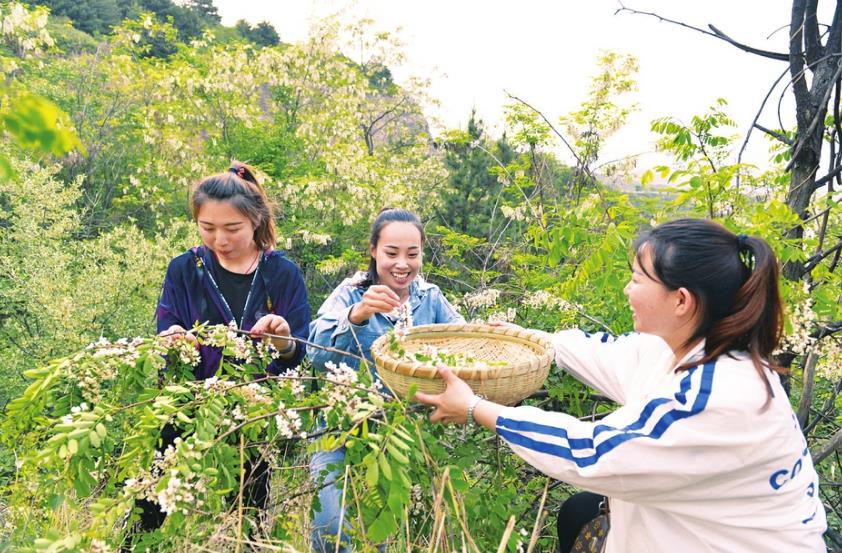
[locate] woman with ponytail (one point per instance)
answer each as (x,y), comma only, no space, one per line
(704,453)
(234,277)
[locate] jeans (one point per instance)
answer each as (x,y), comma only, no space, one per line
(326,520)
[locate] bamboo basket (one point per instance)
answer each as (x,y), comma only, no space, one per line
(527,354)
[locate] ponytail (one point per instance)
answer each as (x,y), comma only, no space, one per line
(755,324)
(240,188)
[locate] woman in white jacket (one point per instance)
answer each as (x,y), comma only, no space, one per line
(704,453)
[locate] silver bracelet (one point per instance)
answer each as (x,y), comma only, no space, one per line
(471,406)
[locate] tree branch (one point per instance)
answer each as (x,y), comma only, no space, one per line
(827,178)
(807,381)
(828,447)
(817,258)
(756,118)
(780,56)
(827,330)
(714,32)
(812,44)
(774,134)
(552,127)
(818,116)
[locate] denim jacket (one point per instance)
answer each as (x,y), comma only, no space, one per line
(332,327)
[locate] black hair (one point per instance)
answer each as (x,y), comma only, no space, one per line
(239,187)
(734,279)
(387,215)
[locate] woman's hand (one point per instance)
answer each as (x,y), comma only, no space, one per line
(377,299)
(452,404)
(178,332)
(277,326)
(497,322)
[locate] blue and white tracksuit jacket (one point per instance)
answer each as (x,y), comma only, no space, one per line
(691,461)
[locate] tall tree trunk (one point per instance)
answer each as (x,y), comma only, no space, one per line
(806,54)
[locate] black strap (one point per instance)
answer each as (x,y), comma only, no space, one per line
(265,276)
(197,287)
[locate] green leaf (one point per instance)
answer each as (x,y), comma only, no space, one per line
(382,527)
(38,124)
(396,453)
(385,467)
(372,474)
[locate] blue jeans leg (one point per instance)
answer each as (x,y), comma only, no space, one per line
(326,519)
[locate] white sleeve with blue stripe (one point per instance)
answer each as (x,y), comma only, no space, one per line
(600,360)
(634,452)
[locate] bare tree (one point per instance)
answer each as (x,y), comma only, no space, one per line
(815,68)
(814,64)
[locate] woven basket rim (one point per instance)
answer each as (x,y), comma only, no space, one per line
(537,342)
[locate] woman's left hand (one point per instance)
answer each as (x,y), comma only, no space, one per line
(272,324)
(451,406)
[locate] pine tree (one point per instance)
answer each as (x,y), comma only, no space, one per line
(206,10)
(90,16)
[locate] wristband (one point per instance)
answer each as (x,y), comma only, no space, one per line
(471,406)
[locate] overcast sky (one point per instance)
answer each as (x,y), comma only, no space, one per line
(545,52)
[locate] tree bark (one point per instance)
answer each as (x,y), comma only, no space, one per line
(806,54)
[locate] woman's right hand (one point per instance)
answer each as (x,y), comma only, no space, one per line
(377,299)
(498,322)
(176,332)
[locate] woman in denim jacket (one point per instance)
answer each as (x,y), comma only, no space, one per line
(359,311)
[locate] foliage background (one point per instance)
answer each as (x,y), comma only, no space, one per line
(112,108)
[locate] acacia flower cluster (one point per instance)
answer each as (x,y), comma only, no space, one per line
(482,298)
(314,237)
(830,360)
(254,393)
(417,505)
(403,318)
(344,393)
(183,489)
(506,316)
(542,299)
(802,319)
(515,213)
(331,265)
(186,351)
(215,384)
(294,378)
(288,422)
(101,362)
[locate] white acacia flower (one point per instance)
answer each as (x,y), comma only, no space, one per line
(482,298)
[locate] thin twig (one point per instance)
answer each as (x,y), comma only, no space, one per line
(505,540)
(438,521)
(536,530)
(714,32)
(240,497)
(301,341)
(460,517)
(342,509)
(828,447)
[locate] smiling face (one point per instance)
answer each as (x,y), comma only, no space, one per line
(398,255)
(228,233)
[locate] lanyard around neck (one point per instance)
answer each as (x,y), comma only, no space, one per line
(228,312)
